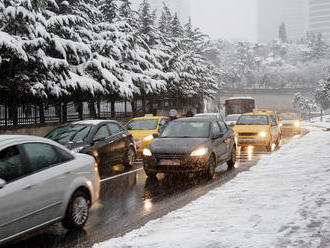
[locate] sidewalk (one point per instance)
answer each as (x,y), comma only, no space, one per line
(284,201)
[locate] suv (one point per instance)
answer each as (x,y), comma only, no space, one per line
(41,183)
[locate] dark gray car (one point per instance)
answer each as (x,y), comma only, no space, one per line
(191,145)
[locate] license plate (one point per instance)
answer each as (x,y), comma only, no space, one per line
(169,162)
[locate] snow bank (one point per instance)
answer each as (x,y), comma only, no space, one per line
(282,202)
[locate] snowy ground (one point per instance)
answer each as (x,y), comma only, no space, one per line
(284,201)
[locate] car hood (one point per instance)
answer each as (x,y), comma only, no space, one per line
(250,129)
(176,145)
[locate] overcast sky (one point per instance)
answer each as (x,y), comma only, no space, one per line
(230,19)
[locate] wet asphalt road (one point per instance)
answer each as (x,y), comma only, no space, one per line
(129,200)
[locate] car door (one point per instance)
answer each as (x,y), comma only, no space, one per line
(119,141)
(102,144)
(218,141)
(16,201)
(274,128)
(48,179)
(228,138)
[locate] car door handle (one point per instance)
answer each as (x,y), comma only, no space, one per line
(67,173)
(28,187)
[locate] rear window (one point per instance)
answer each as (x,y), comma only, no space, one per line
(253,120)
(288,117)
(144,124)
(75,133)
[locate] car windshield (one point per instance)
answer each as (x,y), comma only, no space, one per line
(143,124)
(206,116)
(253,120)
(289,117)
(184,129)
(74,133)
(232,117)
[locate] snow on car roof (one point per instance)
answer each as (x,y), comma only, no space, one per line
(90,122)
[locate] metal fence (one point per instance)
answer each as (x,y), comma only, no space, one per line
(58,113)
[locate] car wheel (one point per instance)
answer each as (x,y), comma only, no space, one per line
(150,174)
(231,163)
(211,165)
(77,212)
(130,158)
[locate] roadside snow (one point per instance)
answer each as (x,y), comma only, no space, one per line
(284,201)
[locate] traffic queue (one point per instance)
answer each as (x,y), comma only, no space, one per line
(57,178)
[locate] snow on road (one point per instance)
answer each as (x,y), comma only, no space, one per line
(284,201)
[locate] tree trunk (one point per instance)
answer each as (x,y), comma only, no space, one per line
(65,112)
(92,110)
(41,113)
(113,113)
(321,114)
(13,113)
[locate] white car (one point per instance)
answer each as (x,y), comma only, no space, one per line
(41,183)
(231,120)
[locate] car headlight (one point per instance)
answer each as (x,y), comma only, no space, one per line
(147,152)
(78,149)
(148,138)
(263,134)
(297,124)
(280,125)
(199,152)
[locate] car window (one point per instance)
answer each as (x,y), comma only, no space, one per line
(11,166)
(102,132)
(273,121)
(142,124)
(75,133)
(115,128)
(223,126)
(186,129)
(42,156)
(253,120)
(163,122)
(216,131)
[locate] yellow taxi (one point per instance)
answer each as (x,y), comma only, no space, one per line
(290,123)
(259,128)
(144,128)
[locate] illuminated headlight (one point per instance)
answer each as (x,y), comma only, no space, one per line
(148,138)
(263,134)
(280,125)
(147,152)
(297,124)
(78,149)
(199,152)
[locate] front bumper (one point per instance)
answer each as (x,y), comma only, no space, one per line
(290,129)
(255,141)
(175,164)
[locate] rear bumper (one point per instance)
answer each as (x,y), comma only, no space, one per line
(290,129)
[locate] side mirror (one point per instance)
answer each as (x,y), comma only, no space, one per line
(2,183)
(156,135)
(98,139)
(217,136)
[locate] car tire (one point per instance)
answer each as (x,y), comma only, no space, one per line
(231,163)
(77,212)
(150,174)
(211,165)
(130,157)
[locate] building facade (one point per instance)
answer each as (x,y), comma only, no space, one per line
(272,13)
(319,18)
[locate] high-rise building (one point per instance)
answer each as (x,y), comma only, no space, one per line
(272,13)
(319,17)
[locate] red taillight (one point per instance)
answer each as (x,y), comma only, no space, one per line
(96,165)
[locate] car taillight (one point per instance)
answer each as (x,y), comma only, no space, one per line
(96,165)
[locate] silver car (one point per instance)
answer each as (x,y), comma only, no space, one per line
(41,183)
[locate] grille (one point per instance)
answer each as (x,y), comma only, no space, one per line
(169,156)
(248,134)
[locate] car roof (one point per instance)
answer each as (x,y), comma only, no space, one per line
(258,113)
(150,118)
(201,114)
(91,122)
(194,119)
(8,139)
(288,113)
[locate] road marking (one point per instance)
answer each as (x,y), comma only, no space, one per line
(121,175)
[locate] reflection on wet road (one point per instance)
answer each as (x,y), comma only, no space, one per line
(129,200)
